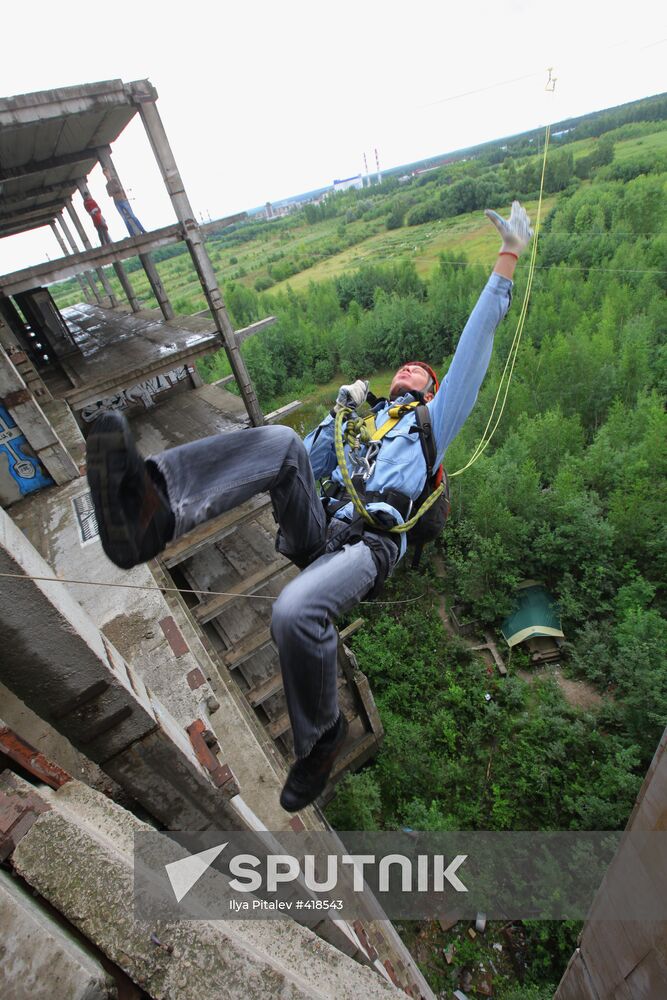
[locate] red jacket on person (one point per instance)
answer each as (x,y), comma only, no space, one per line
(95,212)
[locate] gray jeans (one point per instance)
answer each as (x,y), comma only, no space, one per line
(207,478)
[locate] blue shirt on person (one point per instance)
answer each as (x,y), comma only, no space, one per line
(400,463)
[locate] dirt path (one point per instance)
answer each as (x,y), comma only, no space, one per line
(439,564)
(579,694)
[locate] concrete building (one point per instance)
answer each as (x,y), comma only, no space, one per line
(348,183)
(154,696)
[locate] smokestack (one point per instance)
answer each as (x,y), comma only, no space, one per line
(367,179)
(377,163)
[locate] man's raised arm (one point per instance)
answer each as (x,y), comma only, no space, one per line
(457,395)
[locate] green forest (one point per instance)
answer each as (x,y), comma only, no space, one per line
(571,491)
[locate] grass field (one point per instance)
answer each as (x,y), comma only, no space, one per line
(320,251)
(646,145)
(471,234)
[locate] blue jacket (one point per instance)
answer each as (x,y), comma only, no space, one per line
(400,463)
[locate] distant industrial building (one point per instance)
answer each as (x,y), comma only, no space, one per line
(348,183)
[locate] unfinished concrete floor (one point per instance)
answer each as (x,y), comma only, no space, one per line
(120,349)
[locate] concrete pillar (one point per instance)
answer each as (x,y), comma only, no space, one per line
(63,668)
(156,284)
(75,250)
(126,285)
(83,236)
(195,378)
(193,238)
(63,246)
(104,156)
(33,422)
(15,343)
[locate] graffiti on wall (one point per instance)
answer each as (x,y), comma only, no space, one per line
(21,472)
(141,393)
(86,519)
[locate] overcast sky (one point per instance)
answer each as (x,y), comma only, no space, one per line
(262,100)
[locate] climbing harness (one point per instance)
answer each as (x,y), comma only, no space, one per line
(355,432)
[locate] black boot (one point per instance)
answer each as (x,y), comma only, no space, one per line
(133,513)
(308,776)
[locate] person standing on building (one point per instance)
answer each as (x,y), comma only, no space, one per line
(116,191)
(95,212)
(141,504)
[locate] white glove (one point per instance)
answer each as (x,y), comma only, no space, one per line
(515,231)
(351,395)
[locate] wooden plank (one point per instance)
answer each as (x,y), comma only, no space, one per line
(212,531)
(364,748)
(237,654)
(209,609)
(648,979)
(352,628)
(576,983)
(502,669)
(265,690)
(363,689)
(282,723)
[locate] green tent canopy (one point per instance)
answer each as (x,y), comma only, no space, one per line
(536,613)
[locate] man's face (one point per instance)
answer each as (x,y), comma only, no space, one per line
(408,378)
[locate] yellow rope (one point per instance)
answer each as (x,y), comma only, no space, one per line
(340,435)
(514,348)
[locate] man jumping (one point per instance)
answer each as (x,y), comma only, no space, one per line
(142,504)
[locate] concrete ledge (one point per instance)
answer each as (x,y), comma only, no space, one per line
(78,855)
(39,960)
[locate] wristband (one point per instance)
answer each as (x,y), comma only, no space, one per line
(508,253)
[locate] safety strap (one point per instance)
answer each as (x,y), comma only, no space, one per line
(340,438)
(424,428)
(396,414)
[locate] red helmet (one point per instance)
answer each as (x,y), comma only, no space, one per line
(427,368)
